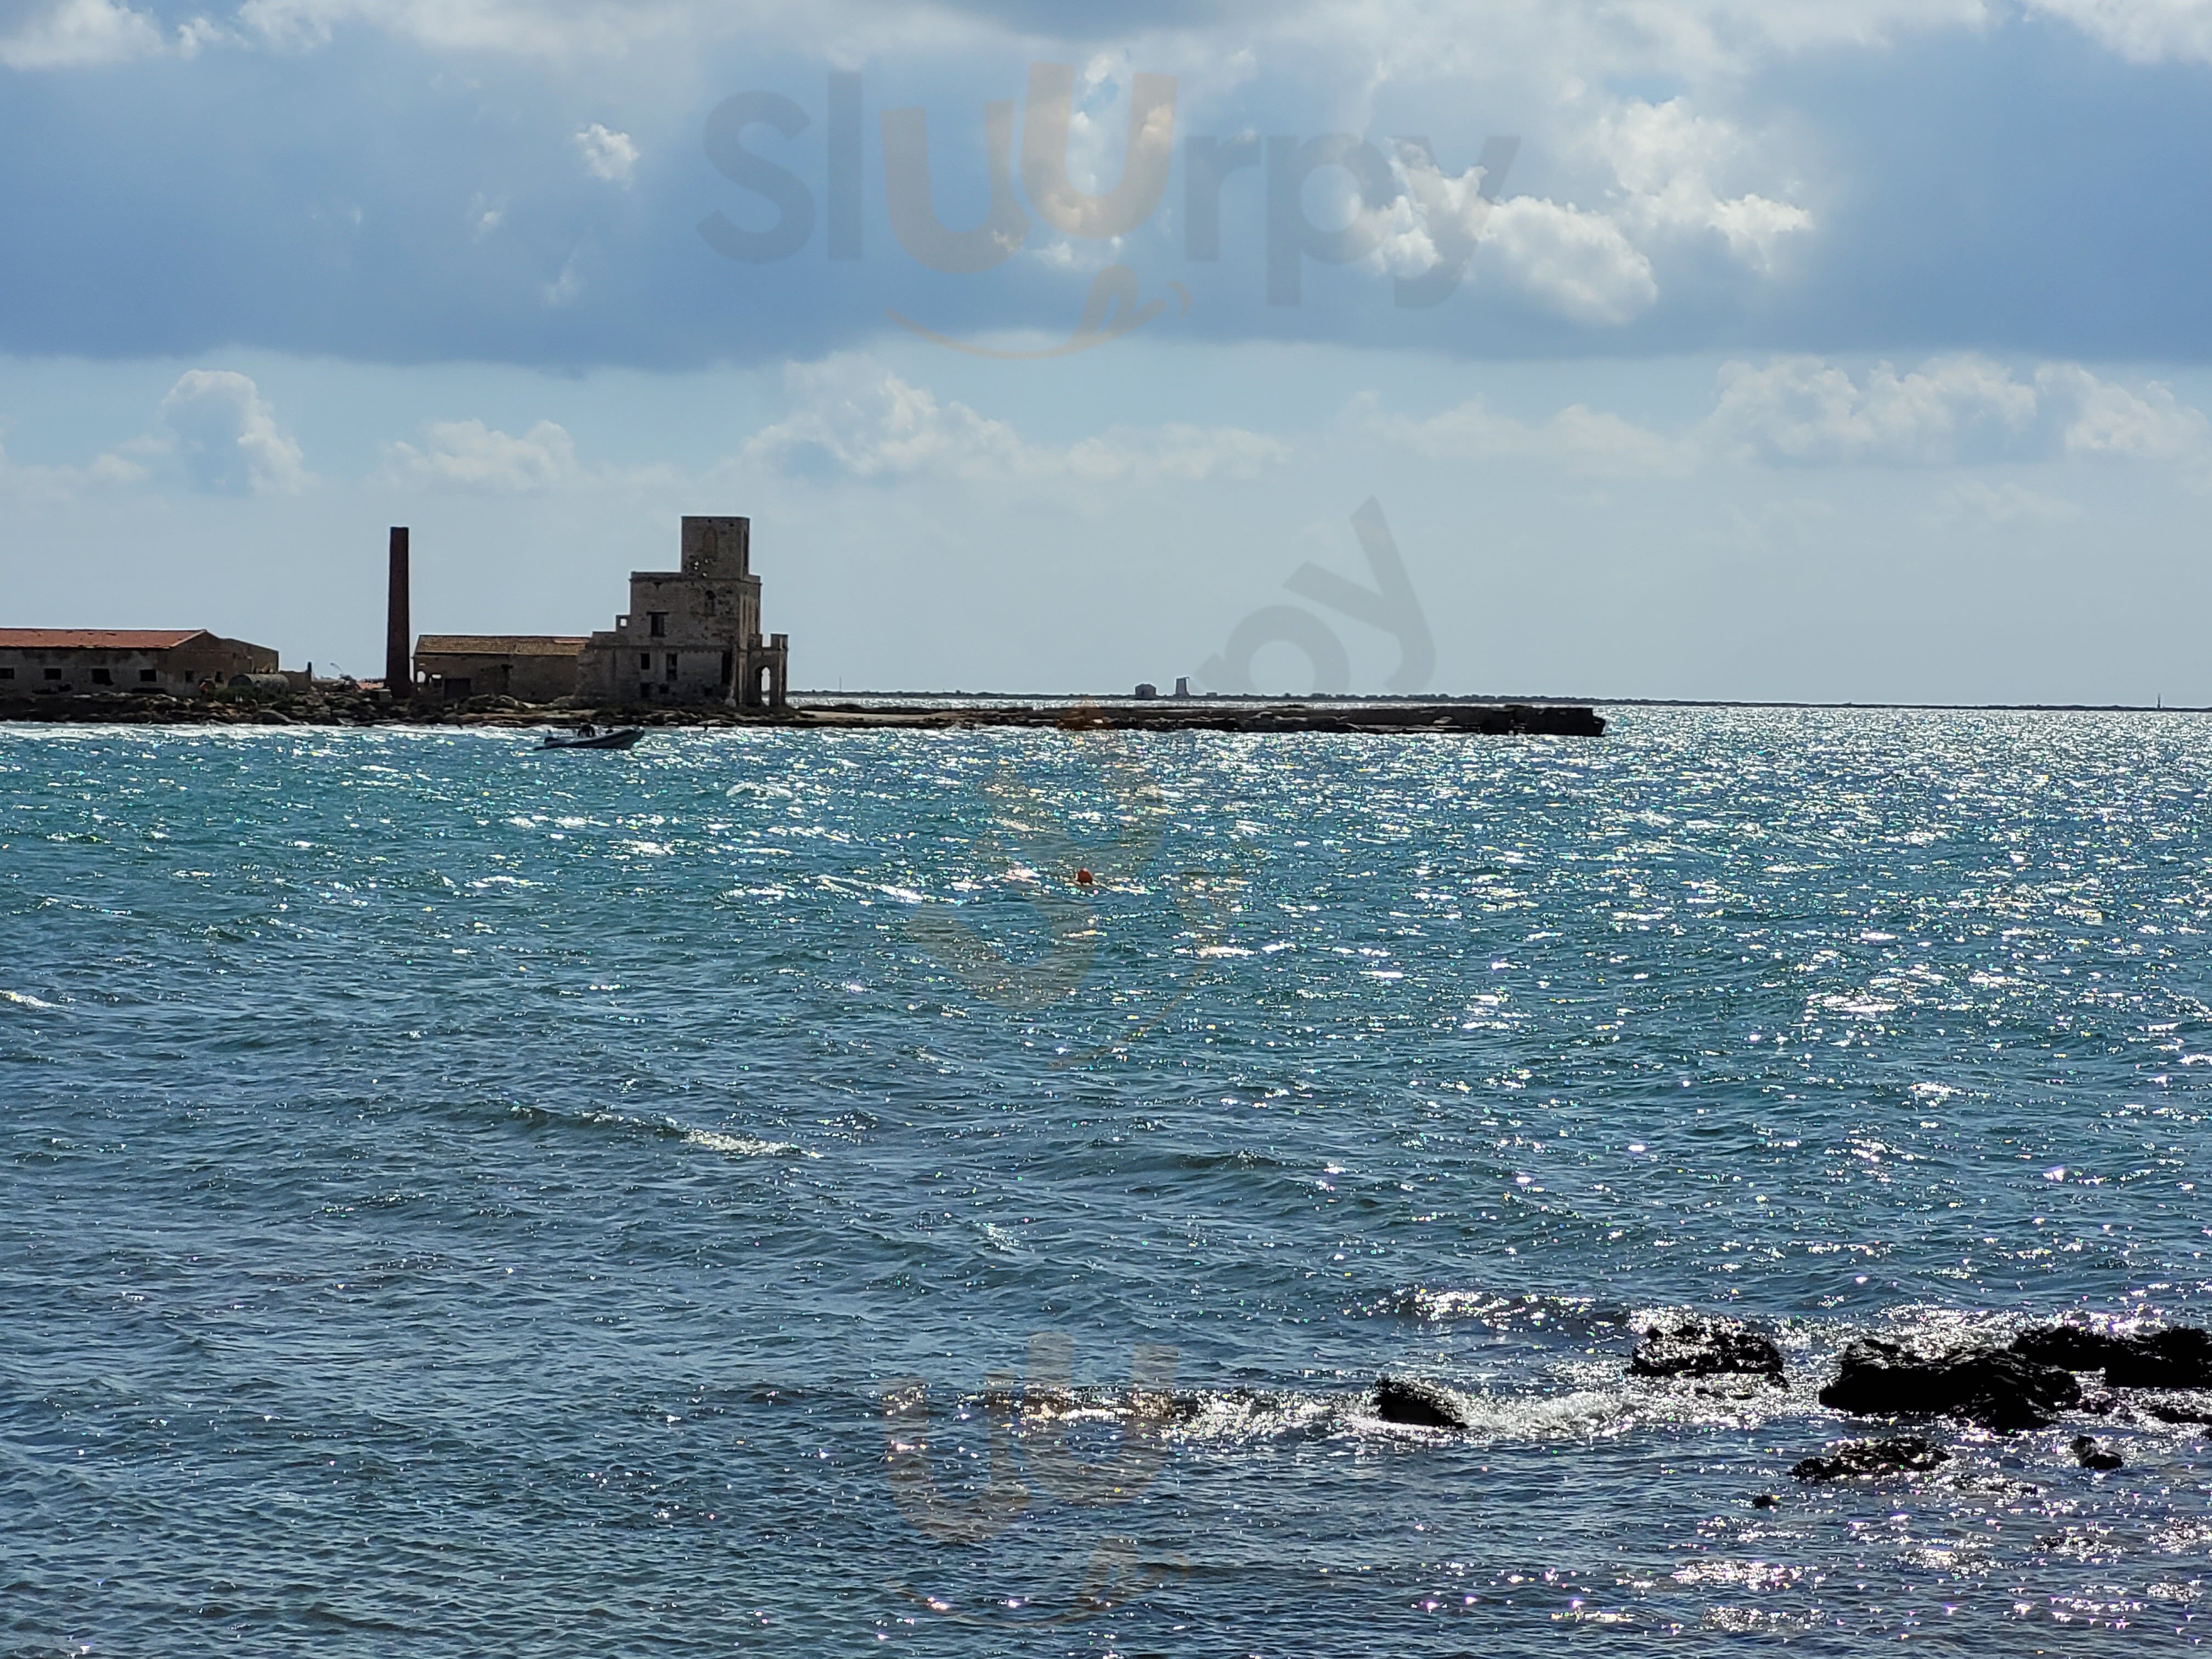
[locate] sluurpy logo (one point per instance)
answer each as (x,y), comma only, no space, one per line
(1401,188)
(1042,1415)
(1068,895)
(1390,605)
(1040,903)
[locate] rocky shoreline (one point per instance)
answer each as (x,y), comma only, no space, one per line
(2031,1382)
(350,707)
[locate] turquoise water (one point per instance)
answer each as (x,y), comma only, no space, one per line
(463,1201)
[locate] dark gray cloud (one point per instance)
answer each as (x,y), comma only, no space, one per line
(2006,189)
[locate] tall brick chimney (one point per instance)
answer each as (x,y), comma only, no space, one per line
(398,645)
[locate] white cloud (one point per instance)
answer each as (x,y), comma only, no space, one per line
(852,416)
(1577,438)
(2143,31)
(1669,159)
(1177,452)
(1657,171)
(1574,263)
(1952,411)
(1438,218)
(525,28)
(71,34)
(1806,411)
(1979,505)
(1405,38)
(37,485)
(470,455)
(1542,40)
(563,289)
(228,438)
(2104,418)
(1533,41)
(608,155)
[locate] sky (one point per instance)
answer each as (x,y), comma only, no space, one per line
(1790,350)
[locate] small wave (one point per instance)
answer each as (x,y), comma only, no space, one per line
(744,1146)
(1244,1415)
(1503,1310)
(1576,1414)
(726,1142)
(25,999)
(1590,1404)
(1238,1158)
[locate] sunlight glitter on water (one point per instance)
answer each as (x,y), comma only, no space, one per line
(406,1130)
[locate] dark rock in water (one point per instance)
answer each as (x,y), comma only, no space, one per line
(2167,1411)
(2071,1347)
(2176,1356)
(1765,1500)
(1892,1456)
(1699,1347)
(1997,1389)
(1423,1405)
(2091,1456)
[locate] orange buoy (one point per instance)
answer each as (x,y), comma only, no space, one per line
(1083,878)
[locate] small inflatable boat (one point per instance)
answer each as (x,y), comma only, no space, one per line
(590,737)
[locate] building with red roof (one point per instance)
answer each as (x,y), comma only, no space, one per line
(37,660)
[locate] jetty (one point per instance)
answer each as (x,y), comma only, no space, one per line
(347,705)
(1231,714)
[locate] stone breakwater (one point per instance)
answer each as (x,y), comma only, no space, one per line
(353,707)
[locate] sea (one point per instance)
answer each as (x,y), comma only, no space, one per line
(954,1193)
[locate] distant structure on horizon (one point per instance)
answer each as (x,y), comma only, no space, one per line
(689,636)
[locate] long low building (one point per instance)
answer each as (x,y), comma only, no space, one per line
(534,667)
(55,660)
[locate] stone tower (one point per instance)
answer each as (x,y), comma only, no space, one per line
(692,635)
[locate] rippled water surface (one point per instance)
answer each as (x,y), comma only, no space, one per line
(460,1200)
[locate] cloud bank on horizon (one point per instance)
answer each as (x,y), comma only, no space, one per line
(671,182)
(853,418)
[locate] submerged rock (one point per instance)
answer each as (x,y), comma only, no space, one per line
(1702,1347)
(1895,1456)
(1423,1405)
(1996,1388)
(2175,1356)
(2091,1456)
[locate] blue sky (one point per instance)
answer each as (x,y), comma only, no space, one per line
(1846,350)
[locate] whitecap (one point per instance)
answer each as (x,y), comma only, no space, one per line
(744,1146)
(25,999)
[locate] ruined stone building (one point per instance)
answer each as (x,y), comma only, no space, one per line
(691,635)
(534,667)
(175,659)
